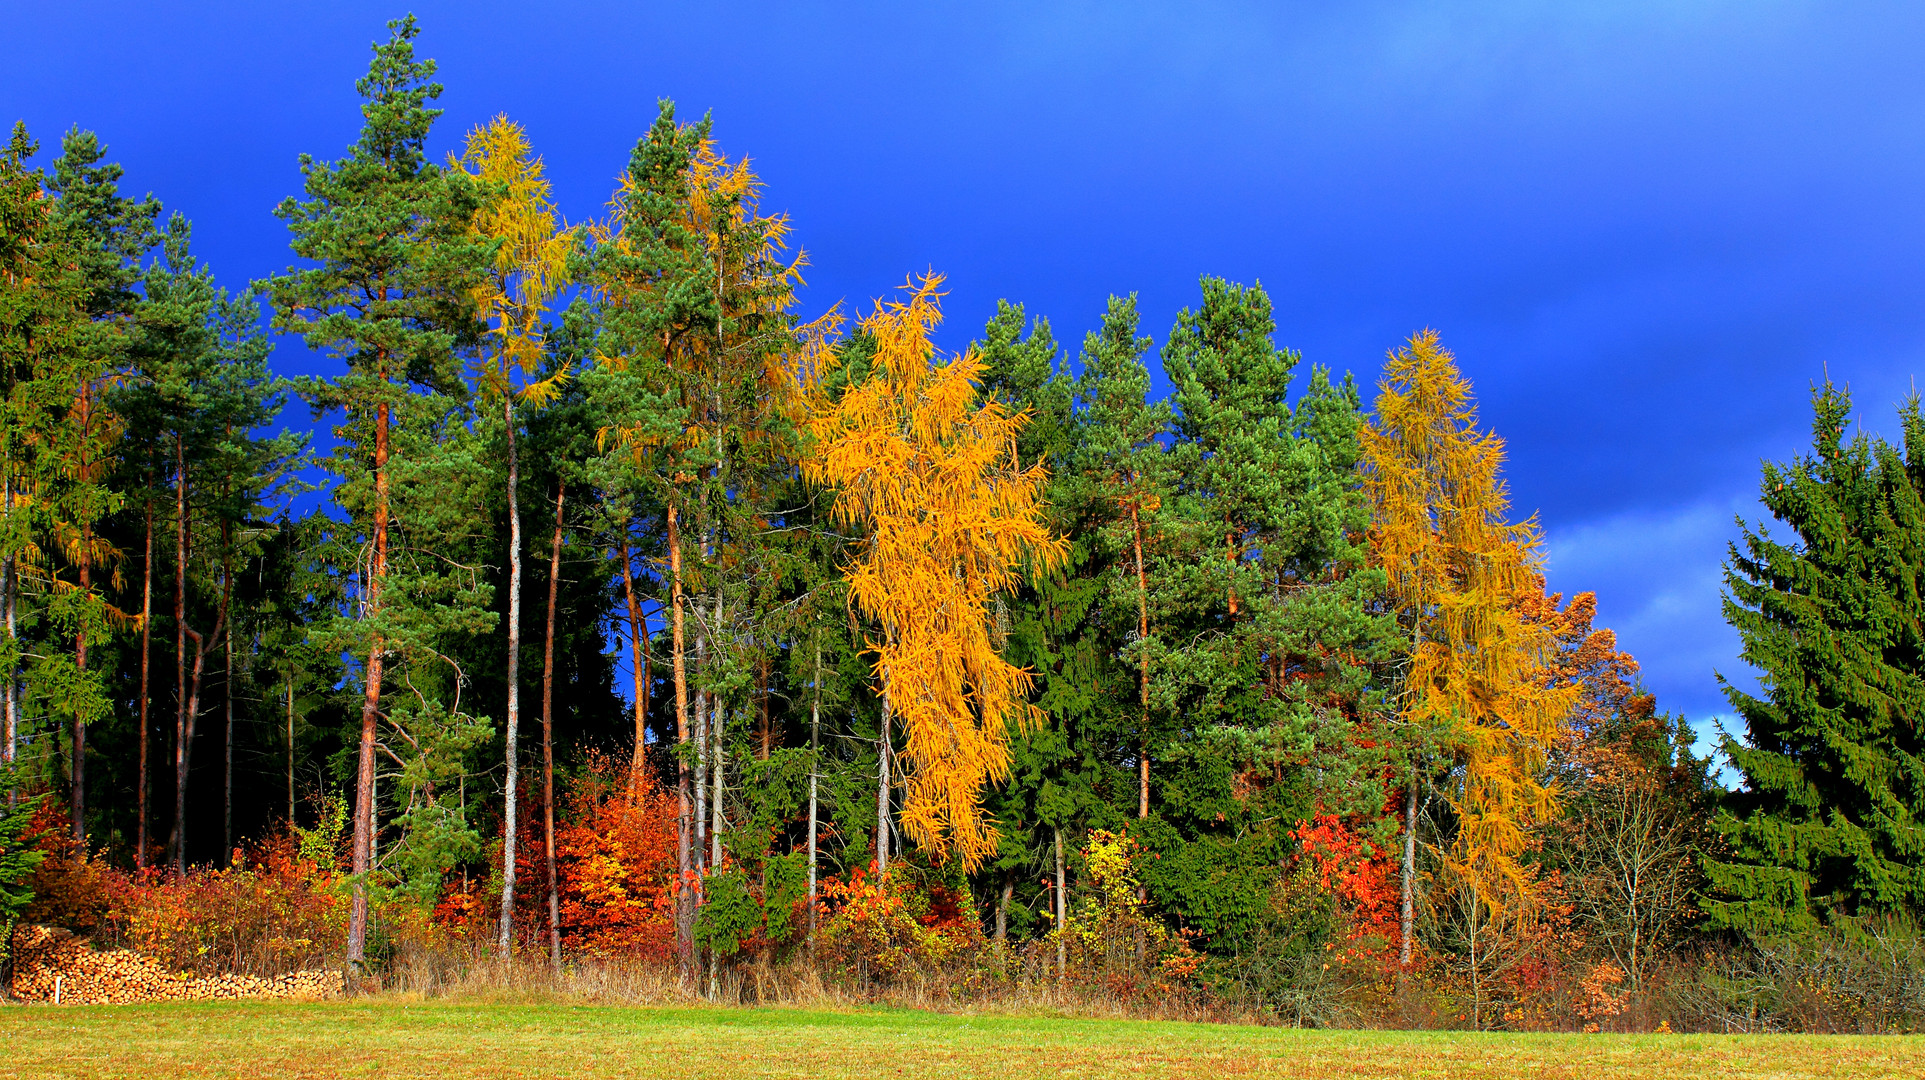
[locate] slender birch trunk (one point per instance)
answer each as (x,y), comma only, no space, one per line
(1062,906)
(505,943)
(1409,872)
(548,738)
(815,770)
(884,751)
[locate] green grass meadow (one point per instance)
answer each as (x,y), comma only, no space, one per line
(385,1038)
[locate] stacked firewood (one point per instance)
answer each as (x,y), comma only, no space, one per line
(52,964)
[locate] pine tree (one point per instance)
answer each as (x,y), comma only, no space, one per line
(393,271)
(201,392)
(1828,820)
(1121,453)
(106,234)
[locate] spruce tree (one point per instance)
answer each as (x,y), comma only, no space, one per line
(1827,821)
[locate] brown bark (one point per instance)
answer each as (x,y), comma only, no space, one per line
(1143,671)
(644,673)
(765,736)
(183,717)
(1230,548)
(548,738)
(77,805)
(146,657)
(684,896)
(290,749)
(227,695)
(370,703)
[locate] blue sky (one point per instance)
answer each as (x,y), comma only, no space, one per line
(1644,228)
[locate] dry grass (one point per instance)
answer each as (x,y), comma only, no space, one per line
(398,1036)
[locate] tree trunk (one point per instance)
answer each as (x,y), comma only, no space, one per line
(1230,547)
(1409,872)
(77,805)
(548,738)
(884,751)
(684,899)
(146,656)
(1143,672)
(227,696)
(1002,905)
(505,941)
(637,644)
(290,749)
(1062,907)
(9,693)
(370,704)
(765,733)
(183,718)
(718,815)
(815,768)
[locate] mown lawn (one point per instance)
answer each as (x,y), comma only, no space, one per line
(384,1038)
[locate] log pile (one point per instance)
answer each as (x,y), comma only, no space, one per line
(48,959)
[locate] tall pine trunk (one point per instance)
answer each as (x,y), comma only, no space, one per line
(227,696)
(183,715)
(548,737)
(644,673)
(370,704)
(684,898)
(1143,671)
(146,657)
(505,943)
(77,805)
(10,692)
(290,749)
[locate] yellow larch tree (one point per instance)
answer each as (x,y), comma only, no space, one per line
(947,519)
(530,266)
(1463,577)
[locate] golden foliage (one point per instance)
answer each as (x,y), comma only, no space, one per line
(1466,580)
(949,518)
(530,266)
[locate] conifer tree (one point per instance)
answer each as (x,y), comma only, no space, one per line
(105,234)
(1461,576)
(389,289)
(1828,820)
(530,266)
(951,520)
(1120,450)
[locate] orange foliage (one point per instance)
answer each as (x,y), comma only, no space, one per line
(616,861)
(615,865)
(1361,877)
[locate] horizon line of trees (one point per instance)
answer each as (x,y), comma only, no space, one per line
(853,602)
